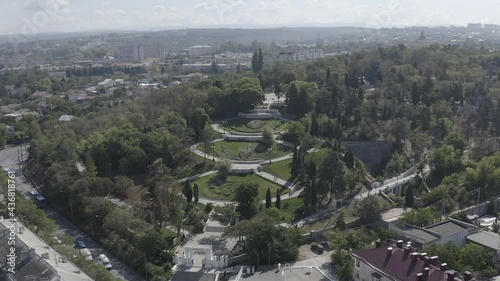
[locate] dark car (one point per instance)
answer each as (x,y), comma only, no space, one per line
(315,247)
(326,245)
(79,244)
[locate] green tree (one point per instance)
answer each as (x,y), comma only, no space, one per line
(246,195)
(456,140)
(196,193)
(340,221)
(277,204)
(445,161)
(245,94)
(409,197)
(3,135)
(421,217)
(314,125)
(260,60)
(255,62)
(224,168)
(343,264)
(199,120)
(268,136)
(188,191)
(368,210)
(295,132)
(268,198)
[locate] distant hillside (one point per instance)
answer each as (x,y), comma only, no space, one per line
(276,34)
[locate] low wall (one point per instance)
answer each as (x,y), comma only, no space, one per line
(242,171)
(243,138)
(480,209)
(237,260)
(234,133)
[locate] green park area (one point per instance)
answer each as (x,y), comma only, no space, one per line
(283,169)
(350,214)
(289,209)
(248,150)
(253,126)
(213,187)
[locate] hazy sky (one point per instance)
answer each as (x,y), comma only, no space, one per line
(32,16)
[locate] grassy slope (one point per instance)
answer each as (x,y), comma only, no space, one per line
(212,188)
(233,150)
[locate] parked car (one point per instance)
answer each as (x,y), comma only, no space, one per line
(87,255)
(79,244)
(326,245)
(102,259)
(315,247)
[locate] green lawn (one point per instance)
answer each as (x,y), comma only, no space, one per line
(211,186)
(248,150)
(282,169)
(197,165)
(253,126)
(289,206)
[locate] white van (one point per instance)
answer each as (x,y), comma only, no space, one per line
(102,259)
(86,254)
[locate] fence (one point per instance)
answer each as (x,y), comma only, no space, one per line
(238,277)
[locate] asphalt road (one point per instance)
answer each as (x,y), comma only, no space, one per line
(9,162)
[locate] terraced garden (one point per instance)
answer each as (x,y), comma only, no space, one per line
(248,150)
(253,126)
(212,187)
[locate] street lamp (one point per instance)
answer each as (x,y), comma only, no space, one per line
(270,154)
(213,153)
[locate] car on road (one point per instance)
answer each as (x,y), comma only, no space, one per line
(102,259)
(80,244)
(315,247)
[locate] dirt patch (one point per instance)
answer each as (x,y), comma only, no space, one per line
(305,253)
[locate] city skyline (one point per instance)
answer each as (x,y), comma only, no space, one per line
(44,16)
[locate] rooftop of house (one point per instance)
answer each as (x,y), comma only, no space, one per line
(33,265)
(486,238)
(40,94)
(66,118)
(448,227)
(433,232)
(43,262)
(400,263)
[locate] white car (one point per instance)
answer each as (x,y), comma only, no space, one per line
(86,254)
(102,259)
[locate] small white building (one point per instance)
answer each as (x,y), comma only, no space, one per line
(66,118)
(106,84)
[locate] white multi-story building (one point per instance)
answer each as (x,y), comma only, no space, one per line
(142,52)
(200,50)
(300,55)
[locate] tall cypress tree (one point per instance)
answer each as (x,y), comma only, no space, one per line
(260,60)
(187,191)
(268,198)
(278,199)
(314,124)
(255,62)
(196,193)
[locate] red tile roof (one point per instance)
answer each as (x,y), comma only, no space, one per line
(399,266)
